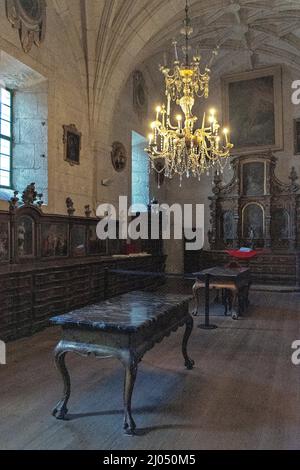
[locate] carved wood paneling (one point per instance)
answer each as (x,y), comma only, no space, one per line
(270,197)
(31,295)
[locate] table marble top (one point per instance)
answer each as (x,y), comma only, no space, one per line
(219,271)
(124,313)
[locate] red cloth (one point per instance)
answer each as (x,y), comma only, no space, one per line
(243,254)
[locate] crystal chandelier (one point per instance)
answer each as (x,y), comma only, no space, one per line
(181,149)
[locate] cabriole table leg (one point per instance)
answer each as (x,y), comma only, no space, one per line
(61,410)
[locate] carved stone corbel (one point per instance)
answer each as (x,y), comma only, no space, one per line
(29,17)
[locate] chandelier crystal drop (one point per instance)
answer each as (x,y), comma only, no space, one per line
(179,148)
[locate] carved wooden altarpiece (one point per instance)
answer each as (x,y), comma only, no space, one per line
(255,208)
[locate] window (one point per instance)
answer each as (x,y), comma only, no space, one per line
(5,137)
(139,172)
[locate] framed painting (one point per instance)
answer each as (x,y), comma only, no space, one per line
(25,234)
(254,178)
(72,143)
(94,244)
(253,221)
(4,242)
(252,106)
(78,240)
(54,240)
(297,136)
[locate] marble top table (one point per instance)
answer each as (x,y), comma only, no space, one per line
(124,327)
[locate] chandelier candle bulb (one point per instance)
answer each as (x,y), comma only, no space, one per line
(179,120)
(169,106)
(158,110)
(225,131)
(165,59)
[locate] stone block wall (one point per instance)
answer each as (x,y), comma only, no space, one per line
(60,62)
(30,150)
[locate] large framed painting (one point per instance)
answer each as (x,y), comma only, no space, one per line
(54,240)
(252,106)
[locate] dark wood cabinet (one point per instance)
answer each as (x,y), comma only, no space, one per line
(51,264)
(30,295)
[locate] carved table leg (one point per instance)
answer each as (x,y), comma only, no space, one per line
(61,410)
(244,298)
(196,292)
(225,301)
(236,306)
(189,363)
(131,364)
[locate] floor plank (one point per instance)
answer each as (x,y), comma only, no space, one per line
(243,393)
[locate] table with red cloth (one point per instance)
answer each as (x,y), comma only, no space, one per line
(245,255)
(234,283)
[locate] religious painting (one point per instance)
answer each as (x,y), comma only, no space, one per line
(140,94)
(4,241)
(25,237)
(72,143)
(118,156)
(54,240)
(78,240)
(280,226)
(254,179)
(253,221)
(297,136)
(252,107)
(94,244)
(228,225)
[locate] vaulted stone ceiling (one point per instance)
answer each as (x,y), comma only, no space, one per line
(115,36)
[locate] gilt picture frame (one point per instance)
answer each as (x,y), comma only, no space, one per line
(72,144)
(253,108)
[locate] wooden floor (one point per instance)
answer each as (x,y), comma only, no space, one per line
(243,394)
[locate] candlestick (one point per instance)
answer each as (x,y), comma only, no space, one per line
(158,110)
(169,106)
(176,53)
(225,131)
(179,119)
(165,59)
